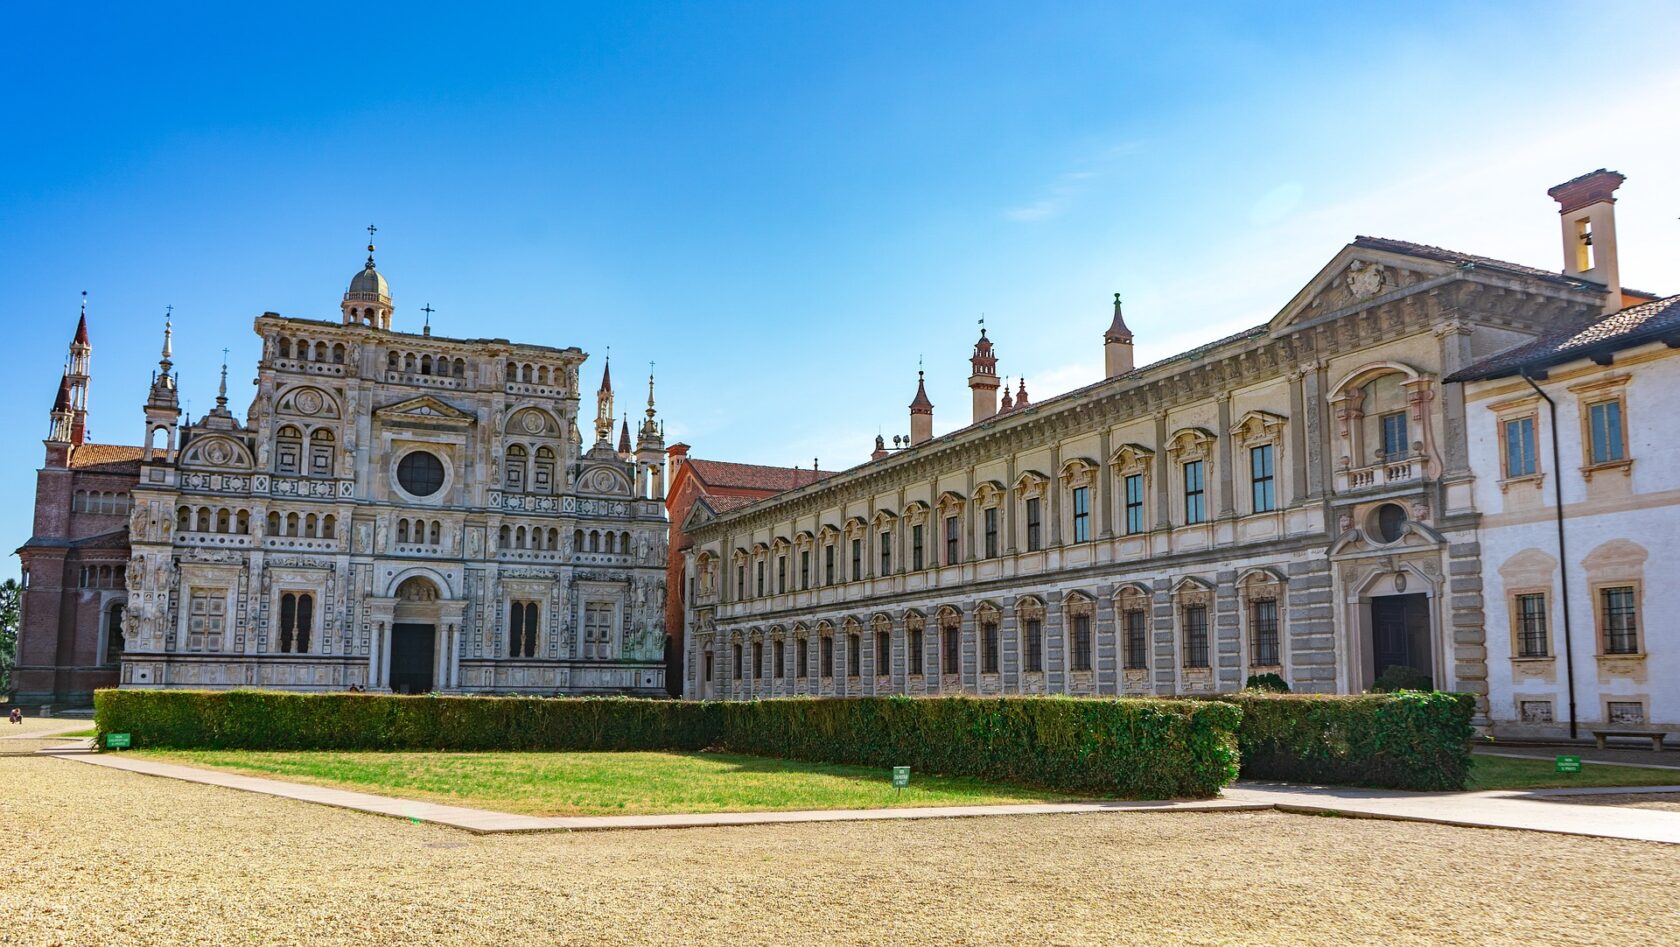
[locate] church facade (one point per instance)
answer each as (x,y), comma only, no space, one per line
(399,512)
(1296,499)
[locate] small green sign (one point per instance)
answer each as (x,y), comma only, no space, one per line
(1569,764)
(901,777)
(118,741)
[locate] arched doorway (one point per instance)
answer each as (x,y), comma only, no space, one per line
(414,637)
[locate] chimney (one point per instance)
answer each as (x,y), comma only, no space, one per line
(984,381)
(921,415)
(1587,206)
(1117,345)
(880,448)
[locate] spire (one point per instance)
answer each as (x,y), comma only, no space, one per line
(606,374)
(62,402)
(921,405)
(1008,399)
(624,438)
(221,390)
(1117,331)
(604,406)
(1021,395)
(59,430)
(81,326)
(167,361)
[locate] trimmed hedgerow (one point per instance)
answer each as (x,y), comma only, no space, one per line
(1408,740)
(1137,748)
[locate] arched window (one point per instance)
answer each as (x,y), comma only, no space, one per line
(577,540)
(435,535)
(542,474)
(285,348)
(517,458)
(291,524)
(392,362)
(408,362)
(594,540)
(288,450)
(522,629)
(402,530)
(506,541)
(222,519)
(460,368)
(204,525)
(338,353)
(328,524)
(309,524)
(320,351)
(321,453)
(425,364)
(273,524)
(183,518)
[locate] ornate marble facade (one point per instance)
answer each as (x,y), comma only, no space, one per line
(397,511)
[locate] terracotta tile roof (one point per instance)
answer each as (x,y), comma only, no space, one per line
(720,473)
(1635,325)
(106,458)
(1461,259)
(723,503)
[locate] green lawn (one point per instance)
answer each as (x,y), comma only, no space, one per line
(1503,772)
(609,783)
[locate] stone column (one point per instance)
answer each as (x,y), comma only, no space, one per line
(1227,477)
(1297,437)
(1105,487)
(1163,467)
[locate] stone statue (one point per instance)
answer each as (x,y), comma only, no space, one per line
(475,543)
(364,537)
(137,524)
(383,534)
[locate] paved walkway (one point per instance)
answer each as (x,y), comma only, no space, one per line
(1617,756)
(1502,809)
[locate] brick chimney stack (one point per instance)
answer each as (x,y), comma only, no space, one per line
(1587,206)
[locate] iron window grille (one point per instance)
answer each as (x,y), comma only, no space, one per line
(1195,636)
(1621,631)
(1263,645)
(1531,626)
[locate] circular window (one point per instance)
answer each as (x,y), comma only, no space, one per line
(1390,522)
(420,473)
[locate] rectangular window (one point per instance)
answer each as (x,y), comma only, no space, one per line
(297,622)
(598,630)
(1605,420)
(1519,447)
(804,569)
(952,651)
(989,647)
(857,560)
(206,619)
(781,575)
(778,659)
(990,517)
(1621,629)
(801,657)
(886,552)
(1034,542)
(854,655)
(1134,504)
(951,536)
(758,660)
(1195,636)
(740,582)
(1260,473)
(1625,712)
(1195,493)
(828,564)
(1080,641)
(737,662)
(1081,514)
(883,654)
(915,654)
(1263,634)
(1532,639)
(1033,646)
(827,657)
(1395,441)
(522,629)
(761,578)
(1137,639)
(916,548)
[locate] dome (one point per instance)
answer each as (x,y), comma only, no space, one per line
(369,281)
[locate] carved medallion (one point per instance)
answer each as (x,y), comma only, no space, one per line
(1365,280)
(308,401)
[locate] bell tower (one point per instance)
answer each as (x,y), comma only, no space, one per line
(983,382)
(368,300)
(1587,206)
(163,405)
(79,375)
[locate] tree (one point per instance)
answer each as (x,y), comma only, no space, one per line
(9,597)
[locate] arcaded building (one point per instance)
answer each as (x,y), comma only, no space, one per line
(1294,499)
(395,511)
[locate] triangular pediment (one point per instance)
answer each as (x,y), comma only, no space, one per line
(1355,278)
(698,515)
(424,409)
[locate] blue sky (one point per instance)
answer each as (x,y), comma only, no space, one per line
(783,205)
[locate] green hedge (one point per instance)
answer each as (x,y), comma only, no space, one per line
(1406,740)
(1123,748)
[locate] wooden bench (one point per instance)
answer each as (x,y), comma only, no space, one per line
(1655,738)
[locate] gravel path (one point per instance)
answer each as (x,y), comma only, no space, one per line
(97,856)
